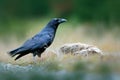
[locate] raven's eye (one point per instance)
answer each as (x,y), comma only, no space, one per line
(56,19)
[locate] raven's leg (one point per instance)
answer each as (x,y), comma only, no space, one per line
(34,57)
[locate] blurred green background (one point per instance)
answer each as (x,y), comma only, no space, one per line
(21,19)
(15,15)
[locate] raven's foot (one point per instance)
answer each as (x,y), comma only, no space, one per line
(34,60)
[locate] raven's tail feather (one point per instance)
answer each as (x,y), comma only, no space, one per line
(14,52)
(20,55)
(19,51)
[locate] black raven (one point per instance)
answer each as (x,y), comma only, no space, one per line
(38,43)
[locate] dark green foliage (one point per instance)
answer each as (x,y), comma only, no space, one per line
(24,8)
(84,10)
(12,12)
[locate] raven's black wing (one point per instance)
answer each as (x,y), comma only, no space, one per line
(38,41)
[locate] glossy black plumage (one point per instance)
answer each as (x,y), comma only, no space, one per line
(38,43)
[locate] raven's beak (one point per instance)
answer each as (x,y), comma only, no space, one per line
(62,20)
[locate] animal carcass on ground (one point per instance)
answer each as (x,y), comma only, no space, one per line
(79,49)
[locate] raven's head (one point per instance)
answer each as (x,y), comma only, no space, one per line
(57,21)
